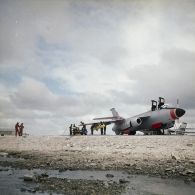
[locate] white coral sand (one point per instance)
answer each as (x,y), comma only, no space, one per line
(129,147)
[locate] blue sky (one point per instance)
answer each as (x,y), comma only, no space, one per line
(66,61)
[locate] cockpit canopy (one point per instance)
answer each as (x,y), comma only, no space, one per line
(165,106)
(161,104)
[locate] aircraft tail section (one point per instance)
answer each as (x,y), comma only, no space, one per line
(183,126)
(115,116)
(114,113)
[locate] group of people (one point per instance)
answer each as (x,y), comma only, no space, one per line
(75,130)
(101,126)
(19,129)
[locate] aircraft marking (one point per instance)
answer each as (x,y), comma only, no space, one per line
(173,115)
(156,125)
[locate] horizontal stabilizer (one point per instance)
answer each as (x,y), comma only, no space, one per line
(104,122)
(104,118)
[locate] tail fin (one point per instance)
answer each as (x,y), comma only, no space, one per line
(114,112)
(115,116)
(183,126)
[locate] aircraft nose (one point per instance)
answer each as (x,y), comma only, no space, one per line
(180,112)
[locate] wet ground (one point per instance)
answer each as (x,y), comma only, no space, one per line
(104,165)
(47,181)
(88,182)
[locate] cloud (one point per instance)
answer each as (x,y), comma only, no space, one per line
(32,94)
(172,78)
(65,61)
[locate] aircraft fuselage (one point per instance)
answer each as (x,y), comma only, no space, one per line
(151,120)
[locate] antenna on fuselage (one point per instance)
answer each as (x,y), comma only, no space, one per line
(177,102)
(177,120)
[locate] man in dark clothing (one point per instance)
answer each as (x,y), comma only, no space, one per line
(74,130)
(104,129)
(17,128)
(70,128)
(101,127)
(21,127)
(84,129)
(92,126)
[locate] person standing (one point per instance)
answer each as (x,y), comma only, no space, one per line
(17,128)
(92,129)
(70,128)
(74,129)
(101,127)
(104,129)
(21,127)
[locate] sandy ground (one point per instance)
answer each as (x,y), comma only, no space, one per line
(127,147)
(153,155)
(159,156)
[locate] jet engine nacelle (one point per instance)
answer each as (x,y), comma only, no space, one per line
(135,122)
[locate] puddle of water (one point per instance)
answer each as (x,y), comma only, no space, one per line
(90,175)
(11,184)
(136,184)
(158,186)
(11,181)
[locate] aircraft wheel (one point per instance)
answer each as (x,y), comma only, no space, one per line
(132,133)
(159,132)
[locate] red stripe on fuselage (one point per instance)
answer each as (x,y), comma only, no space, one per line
(126,131)
(172,114)
(156,125)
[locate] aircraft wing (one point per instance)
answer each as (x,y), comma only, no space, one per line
(109,117)
(107,122)
(114,119)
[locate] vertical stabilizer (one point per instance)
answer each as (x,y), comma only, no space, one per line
(114,113)
(183,126)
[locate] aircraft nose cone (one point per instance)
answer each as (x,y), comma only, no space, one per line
(180,112)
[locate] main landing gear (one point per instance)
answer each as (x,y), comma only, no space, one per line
(132,133)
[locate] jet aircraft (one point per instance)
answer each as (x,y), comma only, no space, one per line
(160,117)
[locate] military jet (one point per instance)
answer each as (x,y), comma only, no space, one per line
(160,117)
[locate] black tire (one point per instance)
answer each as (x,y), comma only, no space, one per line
(132,133)
(159,132)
